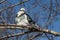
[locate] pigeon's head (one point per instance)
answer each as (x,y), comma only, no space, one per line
(22,9)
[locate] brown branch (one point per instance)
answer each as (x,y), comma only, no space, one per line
(13,6)
(37,29)
(35,36)
(3,21)
(2,1)
(13,35)
(13,26)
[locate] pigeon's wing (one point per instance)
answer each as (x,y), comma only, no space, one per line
(30,20)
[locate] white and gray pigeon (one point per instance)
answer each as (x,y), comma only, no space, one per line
(22,18)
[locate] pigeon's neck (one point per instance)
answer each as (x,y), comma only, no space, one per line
(21,15)
(20,12)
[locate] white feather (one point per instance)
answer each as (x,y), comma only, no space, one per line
(21,20)
(19,13)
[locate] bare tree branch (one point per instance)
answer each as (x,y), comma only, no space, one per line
(13,6)
(19,34)
(35,36)
(2,1)
(37,29)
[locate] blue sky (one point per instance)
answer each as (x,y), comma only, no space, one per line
(40,13)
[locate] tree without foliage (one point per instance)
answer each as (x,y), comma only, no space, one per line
(46,14)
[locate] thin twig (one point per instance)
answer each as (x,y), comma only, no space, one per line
(13,35)
(13,6)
